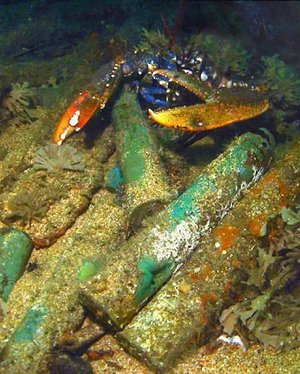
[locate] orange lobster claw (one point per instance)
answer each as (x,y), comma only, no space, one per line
(76,116)
(95,97)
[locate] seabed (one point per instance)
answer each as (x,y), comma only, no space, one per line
(122,250)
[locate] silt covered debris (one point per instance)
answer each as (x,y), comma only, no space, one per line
(113,240)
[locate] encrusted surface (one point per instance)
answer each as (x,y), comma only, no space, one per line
(145,178)
(191,301)
(44,303)
(45,204)
(44,71)
(174,235)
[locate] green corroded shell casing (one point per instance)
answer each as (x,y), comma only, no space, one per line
(15,250)
(181,312)
(148,259)
(146,184)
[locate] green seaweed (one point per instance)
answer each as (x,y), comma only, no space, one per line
(290,216)
(264,260)
(153,41)
(271,313)
(19,102)
(227,54)
(283,89)
(282,82)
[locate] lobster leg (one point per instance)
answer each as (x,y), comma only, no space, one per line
(148,94)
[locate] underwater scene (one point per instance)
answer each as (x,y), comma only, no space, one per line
(149,187)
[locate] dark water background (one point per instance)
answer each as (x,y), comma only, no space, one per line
(46,29)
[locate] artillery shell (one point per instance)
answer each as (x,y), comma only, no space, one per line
(187,305)
(55,308)
(147,187)
(39,203)
(147,260)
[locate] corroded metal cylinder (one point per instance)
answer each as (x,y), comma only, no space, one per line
(146,184)
(147,260)
(192,300)
(54,309)
(15,250)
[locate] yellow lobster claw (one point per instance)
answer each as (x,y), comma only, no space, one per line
(223,106)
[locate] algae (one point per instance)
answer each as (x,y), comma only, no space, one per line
(233,60)
(227,54)
(55,158)
(270,312)
(115,179)
(153,41)
(19,102)
(281,80)
(290,216)
(30,203)
(283,89)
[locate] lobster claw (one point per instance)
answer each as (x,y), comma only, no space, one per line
(230,106)
(95,97)
(222,106)
(76,116)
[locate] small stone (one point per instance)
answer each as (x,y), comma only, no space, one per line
(185,287)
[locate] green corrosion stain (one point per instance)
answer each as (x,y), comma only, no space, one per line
(115,179)
(246,172)
(186,206)
(260,145)
(238,156)
(28,327)
(88,269)
(248,146)
(15,250)
(153,275)
(136,142)
(133,135)
(183,207)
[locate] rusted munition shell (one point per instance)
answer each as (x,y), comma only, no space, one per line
(146,185)
(181,312)
(147,260)
(50,292)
